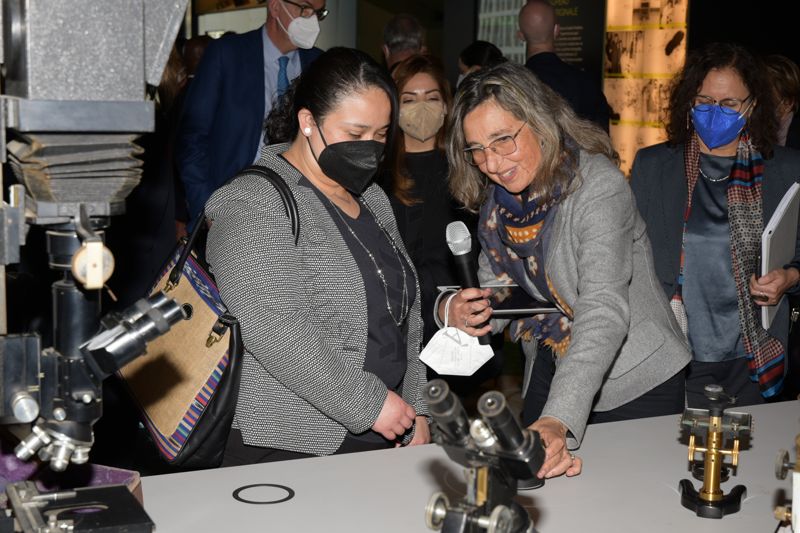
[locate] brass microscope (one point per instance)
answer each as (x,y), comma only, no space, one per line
(716,427)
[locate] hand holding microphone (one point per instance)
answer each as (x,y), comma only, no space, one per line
(469,309)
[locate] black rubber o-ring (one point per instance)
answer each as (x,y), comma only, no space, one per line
(289,493)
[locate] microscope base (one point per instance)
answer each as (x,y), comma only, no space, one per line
(729,504)
(513,519)
(530,484)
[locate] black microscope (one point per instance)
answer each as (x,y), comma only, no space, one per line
(499,457)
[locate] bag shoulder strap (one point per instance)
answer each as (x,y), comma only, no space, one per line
(289,203)
(289,206)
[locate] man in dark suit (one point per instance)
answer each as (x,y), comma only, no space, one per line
(221,129)
(539,30)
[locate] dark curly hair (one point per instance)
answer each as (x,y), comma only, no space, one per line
(762,122)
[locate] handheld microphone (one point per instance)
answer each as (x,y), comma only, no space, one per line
(459,241)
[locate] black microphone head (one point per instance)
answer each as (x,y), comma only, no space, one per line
(458,237)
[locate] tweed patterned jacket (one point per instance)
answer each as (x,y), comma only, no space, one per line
(303,313)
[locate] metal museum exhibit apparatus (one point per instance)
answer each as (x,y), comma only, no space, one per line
(498,457)
(715,427)
(74,83)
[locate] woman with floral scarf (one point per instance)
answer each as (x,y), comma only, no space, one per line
(558,219)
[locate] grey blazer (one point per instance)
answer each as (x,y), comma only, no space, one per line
(659,185)
(303,312)
(625,340)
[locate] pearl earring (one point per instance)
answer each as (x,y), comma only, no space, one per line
(307,131)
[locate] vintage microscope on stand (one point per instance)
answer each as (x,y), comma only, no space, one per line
(499,457)
(72,102)
(716,427)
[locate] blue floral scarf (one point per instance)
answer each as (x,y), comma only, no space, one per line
(511,234)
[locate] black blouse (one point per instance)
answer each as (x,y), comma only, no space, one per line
(423,224)
(386,341)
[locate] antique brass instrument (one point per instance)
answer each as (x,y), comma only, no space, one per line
(717,428)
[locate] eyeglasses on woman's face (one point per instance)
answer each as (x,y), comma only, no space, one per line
(730,106)
(307,10)
(506,145)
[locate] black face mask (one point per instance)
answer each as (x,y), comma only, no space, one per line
(351,164)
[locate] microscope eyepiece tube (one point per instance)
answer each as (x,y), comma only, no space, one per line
(495,412)
(447,411)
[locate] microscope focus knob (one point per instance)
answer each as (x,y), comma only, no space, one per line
(24,407)
(782,464)
(501,520)
(436,510)
(92,265)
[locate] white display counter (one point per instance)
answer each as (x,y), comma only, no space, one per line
(629,484)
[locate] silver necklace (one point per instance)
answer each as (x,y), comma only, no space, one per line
(712,180)
(404,307)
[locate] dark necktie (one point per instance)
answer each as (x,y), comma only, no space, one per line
(283,75)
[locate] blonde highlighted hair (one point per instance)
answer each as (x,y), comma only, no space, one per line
(518,91)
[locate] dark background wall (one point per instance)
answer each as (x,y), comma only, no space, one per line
(764,27)
(767,28)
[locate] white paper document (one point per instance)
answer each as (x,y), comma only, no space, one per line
(778,243)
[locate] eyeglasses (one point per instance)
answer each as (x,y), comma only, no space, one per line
(730,106)
(306,10)
(503,146)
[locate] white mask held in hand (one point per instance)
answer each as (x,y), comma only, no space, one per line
(452,352)
(303,32)
(422,120)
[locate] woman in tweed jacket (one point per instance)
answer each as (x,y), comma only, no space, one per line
(331,326)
